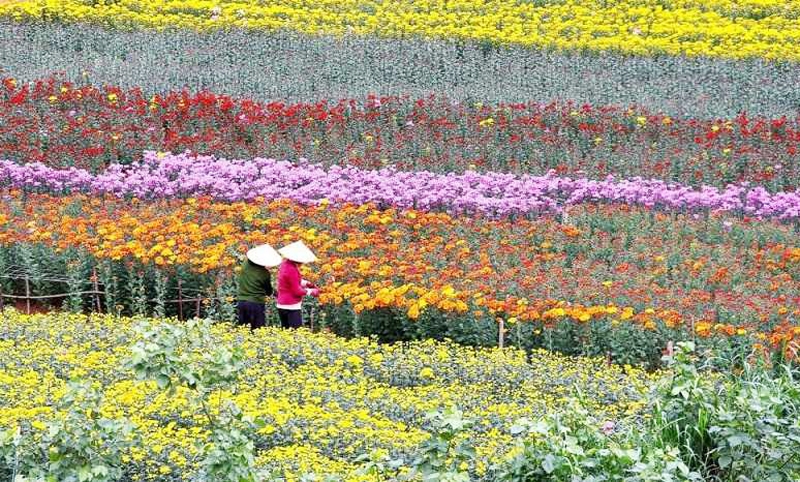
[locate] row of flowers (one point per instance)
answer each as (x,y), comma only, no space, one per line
(325,400)
(162,175)
(61,124)
(619,266)
(692,29)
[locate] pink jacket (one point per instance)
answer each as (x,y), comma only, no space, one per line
(290,286)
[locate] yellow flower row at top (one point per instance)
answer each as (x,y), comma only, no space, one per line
(718,28)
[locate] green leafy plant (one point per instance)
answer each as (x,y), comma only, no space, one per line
(740,425)
(756,432)
(187,356)
(684,408)
(80,445)
(574,446)
(445,457)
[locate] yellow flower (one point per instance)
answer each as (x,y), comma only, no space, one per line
(354,360)
(712,31)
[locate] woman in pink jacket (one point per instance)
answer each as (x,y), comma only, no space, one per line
(291,285)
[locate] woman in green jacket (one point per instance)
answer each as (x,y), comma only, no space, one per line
(255,285)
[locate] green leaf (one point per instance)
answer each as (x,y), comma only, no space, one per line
(548,464)
(84,473)
(163,381)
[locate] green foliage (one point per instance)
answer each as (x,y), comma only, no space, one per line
(705,426)
(187,356)
(740,426)
(79,446)
(380,467)
(685,408)
(574,446)
(184,355)
(230,453)
(443,457)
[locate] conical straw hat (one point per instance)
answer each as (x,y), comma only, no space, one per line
(297,252)
(264,255)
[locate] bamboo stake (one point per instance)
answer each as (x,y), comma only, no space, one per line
(57,295)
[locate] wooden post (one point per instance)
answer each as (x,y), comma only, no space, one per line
(96,290)
(501,333)
(2,300)
(180,299)
(27,296)
(197,306)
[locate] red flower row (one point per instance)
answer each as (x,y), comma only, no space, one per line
(58,123)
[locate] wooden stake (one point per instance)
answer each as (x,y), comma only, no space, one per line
(180,299)
(97,290)
(501,332)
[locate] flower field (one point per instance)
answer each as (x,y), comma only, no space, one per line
(290,67)
(329,399)
(62,124)
(557,240)
(719,28)
(603,272)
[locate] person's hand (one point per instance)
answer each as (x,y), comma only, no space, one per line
(305,284)
(314,292)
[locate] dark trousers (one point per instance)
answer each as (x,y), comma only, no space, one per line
(251,313)
(290,318)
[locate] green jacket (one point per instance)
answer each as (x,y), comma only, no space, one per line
(254,282)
